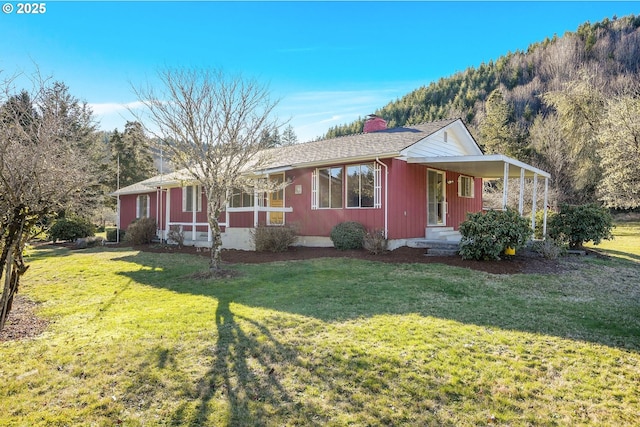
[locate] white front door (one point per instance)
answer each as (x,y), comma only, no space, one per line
(436,198)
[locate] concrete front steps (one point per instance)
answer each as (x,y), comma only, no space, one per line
(440,241)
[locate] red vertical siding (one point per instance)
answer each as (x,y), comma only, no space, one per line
(177,215)
(407,200)
(407,205)
(128,209)
(459,207)
(319,222)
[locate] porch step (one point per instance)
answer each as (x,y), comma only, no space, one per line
(443,233)
(439,247)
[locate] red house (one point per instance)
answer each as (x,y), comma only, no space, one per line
(415,183)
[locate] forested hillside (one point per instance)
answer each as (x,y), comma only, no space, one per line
(568,104)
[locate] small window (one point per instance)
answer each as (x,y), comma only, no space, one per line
(445,136)
(142,206)
(189,194)
(465,186)
(241,199)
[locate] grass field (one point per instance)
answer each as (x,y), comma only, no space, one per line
(134,340)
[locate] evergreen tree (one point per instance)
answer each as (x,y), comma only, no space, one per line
(497,132)
(289,137)
(132,149)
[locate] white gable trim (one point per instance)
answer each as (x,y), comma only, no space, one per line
(459,142)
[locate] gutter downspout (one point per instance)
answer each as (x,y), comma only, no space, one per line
(386,197)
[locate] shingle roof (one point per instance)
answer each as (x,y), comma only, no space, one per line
(381,143)
(150,184)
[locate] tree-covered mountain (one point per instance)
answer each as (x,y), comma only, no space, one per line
(568,84)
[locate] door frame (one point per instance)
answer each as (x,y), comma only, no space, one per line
(442,204)
(276,218)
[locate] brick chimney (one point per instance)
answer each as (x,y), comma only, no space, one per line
(374,123)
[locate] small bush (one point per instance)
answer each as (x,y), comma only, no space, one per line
(142,231)
(112,236)
(348,235)
(273,238)
(176,234)
(487,235)
(576,225)
(89,242)
(549,248)
(539,234)
(375,242)
(71,228)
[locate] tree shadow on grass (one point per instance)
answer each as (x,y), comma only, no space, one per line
(619,254)
(439,291)
(243,383)
(243,370)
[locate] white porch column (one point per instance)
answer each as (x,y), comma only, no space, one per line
(546,202)
(255,208)
(505,185)
(534,201)
(521,198)
(167,212)
(194,206)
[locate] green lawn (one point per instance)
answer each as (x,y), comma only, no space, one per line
(626,243)
(134,340)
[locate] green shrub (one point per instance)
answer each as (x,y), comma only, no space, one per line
(273,238)
(375,242)
(141,231)
(549,248)
(348,235)
(576,225)
(539,234)
(112,236)
(89,242)
(487,235)
(70,228)
(176,234)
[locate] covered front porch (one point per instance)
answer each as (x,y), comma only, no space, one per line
(496,166)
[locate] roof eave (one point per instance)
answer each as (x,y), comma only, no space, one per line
(345,160)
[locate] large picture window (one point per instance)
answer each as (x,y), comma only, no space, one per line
(330,188)
(361,186)
(191,198)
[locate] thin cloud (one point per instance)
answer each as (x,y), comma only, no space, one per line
(106,108)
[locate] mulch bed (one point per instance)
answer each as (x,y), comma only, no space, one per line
(523,262)
(23,323)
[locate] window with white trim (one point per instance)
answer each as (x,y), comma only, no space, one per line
(329,188)
(361,186)
(142,206)
(465,186)
(241,199)
(191,193)
(362,183)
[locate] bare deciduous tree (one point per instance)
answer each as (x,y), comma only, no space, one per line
(619,150)
(42,169)
(215,123)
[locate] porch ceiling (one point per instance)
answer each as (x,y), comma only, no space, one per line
(488,166)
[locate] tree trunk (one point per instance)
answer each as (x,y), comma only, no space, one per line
(216,243)
(11,262)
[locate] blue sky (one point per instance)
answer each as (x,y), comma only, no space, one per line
(327,62)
